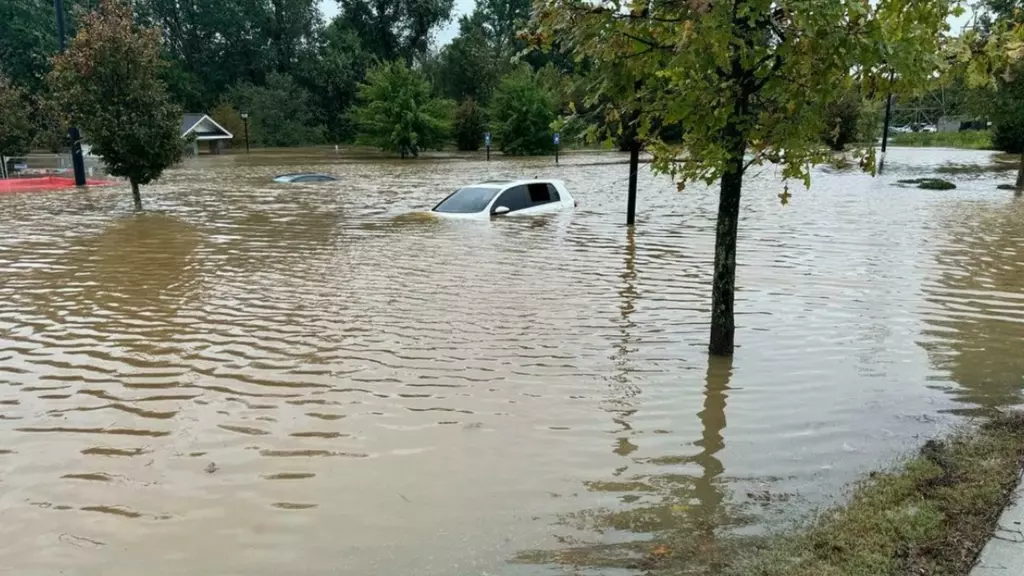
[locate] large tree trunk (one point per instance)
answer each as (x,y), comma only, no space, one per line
(136,196)
(723,291)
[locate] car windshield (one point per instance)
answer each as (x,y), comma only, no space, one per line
(467,200)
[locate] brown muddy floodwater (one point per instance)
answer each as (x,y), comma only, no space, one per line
(267,379)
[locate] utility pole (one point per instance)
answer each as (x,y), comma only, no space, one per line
(76,138)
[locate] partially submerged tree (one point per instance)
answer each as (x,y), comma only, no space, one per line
(521,114)
(749,81)
(469,126)
(16,128)
(109,81)
(398,112)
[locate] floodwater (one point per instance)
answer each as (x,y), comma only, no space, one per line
(266,379)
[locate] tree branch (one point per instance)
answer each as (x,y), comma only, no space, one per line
(647,42)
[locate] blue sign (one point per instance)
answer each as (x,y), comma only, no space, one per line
(558,138)
(21,166)
(487,138)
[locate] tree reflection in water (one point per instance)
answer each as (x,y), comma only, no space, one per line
(688,512)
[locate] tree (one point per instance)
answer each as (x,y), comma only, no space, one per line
(991,59)
(16,128)
(504,18)
(27,39)
(392,29)
(1006,111)
(331,72)
(745,76)
(521,113)
(398,112)
(281,113)
(109,81)
(467,67)
(470,125)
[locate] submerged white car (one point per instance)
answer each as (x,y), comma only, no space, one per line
(512,197)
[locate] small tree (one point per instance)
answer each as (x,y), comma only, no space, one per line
(470,125)
(522,112)
(109,81)
(398,113)
(16,129)
(226,115)
(744,77)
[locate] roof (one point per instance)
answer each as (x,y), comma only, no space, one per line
(204,127)
(508,183)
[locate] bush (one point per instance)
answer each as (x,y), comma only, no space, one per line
(969,139)
(470,125)
(521,115)
(398,113)
(1008,136)
(841,122)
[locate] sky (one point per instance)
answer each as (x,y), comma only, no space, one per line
(444,36)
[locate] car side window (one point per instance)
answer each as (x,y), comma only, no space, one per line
(539,194)
(553,193)
(514,199)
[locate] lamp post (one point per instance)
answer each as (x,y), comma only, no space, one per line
(245,119)
(76,139)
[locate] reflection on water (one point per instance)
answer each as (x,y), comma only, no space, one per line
(263,379)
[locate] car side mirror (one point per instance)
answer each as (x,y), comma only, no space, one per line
(501,210)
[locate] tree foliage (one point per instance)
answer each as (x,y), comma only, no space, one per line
(398,112)
(16,128)
(468,67)
(281,113)
(109,81)
(522,112)
(739,77)
(231,120)
(469,126)
(395,29)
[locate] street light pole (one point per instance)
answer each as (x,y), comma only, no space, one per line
(76,138)
(245,119)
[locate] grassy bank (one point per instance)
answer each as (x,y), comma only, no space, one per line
(931,515)
(970,139)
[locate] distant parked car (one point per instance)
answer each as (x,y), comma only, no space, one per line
(511,197)
(304,178)
(901,129)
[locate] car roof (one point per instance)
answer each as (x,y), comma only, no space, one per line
(511,183)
